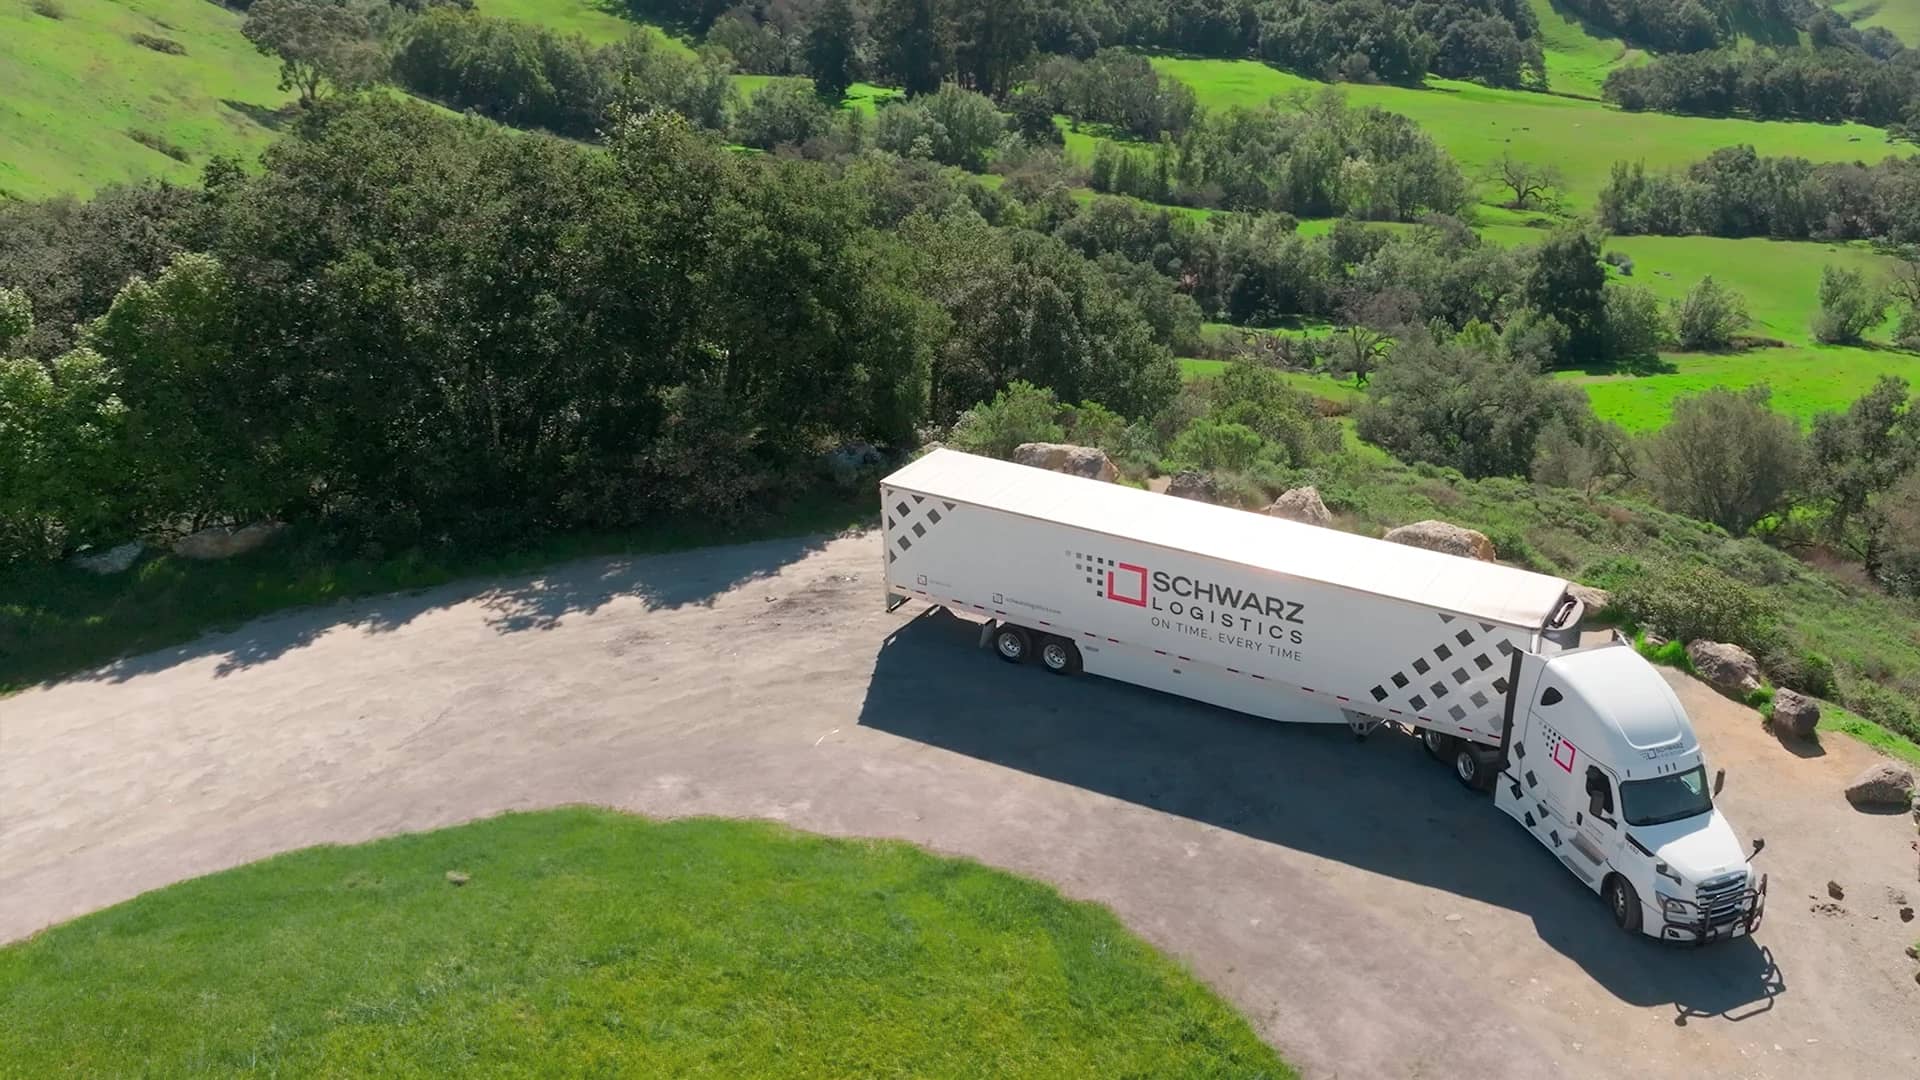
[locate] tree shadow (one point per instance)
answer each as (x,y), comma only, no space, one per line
(1381,806)
(270,118)
(539,601)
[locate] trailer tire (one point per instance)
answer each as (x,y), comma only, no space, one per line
(1436,742)
(1468,768)
(1623,902)
(1012,644)
(1060,656)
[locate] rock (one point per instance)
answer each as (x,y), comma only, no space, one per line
(1088,461)
(1729,669)
(1654,640)
(1194,484)
(1593,600)
(1913,952)
(1906,914)
(1882,786)
(221,542)
(111,561)
(1301,504)
(1441,536)
(847,462)
(1794,713)
(1834,890)
(455,877)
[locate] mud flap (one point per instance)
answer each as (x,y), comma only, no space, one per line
(986,632)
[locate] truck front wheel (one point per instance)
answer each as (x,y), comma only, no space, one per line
(1013,644)
(1624,902)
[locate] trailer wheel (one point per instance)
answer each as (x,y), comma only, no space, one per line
(1013,644)
(1624,902)
(1060,656)
(1436,742)
(1472,772)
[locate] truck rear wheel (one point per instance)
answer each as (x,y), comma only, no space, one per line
(1469,768)
(1436,742)
(1013,644)
(1060,656)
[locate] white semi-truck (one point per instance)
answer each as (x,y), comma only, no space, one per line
(1587,748)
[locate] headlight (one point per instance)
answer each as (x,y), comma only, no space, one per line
(1673,905)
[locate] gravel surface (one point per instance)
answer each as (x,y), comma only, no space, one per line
(1371,917)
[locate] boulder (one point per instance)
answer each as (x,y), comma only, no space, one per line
(1729,669)
(1088,461)
(1885,786)
(1593,600)
(111,561)
(1194,484)
(221,542)
(1441,536)
(1794,713)
(849,461)
(1301,504)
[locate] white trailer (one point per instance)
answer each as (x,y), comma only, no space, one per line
(1589,749)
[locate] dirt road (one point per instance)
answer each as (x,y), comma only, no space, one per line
(1372,918)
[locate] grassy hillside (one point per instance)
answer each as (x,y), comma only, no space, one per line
(1900,16)
(1577,61)
(1477,124)
(590,943)
(601,21)
(77,92)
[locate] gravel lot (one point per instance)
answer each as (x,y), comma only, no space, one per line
(1370,916)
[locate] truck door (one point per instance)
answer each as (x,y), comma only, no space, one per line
(1543,785)
(1597,832)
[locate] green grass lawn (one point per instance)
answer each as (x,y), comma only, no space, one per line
(1900,16)
(55,619)
(1577,61)
(1804,380)
(1477,124)
(75,89)
(600,21)
(588,942)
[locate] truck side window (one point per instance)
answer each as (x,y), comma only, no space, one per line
(1599,793)
(1550,696)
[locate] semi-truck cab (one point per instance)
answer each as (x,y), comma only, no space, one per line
(1602,766)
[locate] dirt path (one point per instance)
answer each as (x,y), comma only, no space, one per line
(1368,915)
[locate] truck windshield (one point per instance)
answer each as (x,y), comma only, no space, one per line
(1666,798)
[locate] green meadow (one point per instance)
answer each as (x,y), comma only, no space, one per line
(584,942)
(603,21)
(1477,124)
(78,93)
(1577,61)
(1902,17)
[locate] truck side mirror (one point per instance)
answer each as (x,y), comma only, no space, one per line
(1759,845)
(1719,780)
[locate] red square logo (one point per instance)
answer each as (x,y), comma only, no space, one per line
(1563,754)
(1127,583)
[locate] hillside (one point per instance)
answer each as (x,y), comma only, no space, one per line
(79,93)
(1902,17)
(1476,124)
(1577,60)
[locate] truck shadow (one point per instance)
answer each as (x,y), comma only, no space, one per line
(1382,806)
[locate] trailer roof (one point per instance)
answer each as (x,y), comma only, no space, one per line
(1481,590)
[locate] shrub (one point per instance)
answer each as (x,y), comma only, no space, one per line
(782,113)
(1692,603)
(49,9)
(160,143)
(1884,707)
(1725,457)
(1022,413)
(1673,654)
(1797,669)
(1620,261)
(160,44)
(1709,315)
(1849,306)
(1636,328)
(1212,444)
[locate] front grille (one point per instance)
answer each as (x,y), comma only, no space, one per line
(1721,899)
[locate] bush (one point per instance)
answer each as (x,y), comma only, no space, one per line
(160,143)
(1797,669)
(1620,261)
(1884,707)
(1022,413)
(1725,457)
(1212,444)
(953,127)
(1635,327)
(1709,315)
(1692,603)
(782,113)
(1849,306)
(160,44)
